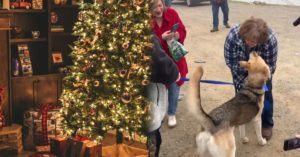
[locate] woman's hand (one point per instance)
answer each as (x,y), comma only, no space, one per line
(168,35)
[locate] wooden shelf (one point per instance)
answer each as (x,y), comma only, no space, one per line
(61,34)
(36,75)
(24,11)
(27,40)
(64,6)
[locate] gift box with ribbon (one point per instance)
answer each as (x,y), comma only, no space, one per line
(41,124)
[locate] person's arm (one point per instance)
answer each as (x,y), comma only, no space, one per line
(231,54)
(181,31)
(164,70)
(270,56)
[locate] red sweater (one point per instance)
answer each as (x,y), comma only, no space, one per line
(170,17)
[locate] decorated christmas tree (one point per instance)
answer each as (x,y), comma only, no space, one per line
(104,90)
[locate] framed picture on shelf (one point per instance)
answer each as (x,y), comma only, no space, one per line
(37,4)
(24,56)
(57,58)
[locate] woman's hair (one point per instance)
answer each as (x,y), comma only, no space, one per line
(154,2)
(255,29)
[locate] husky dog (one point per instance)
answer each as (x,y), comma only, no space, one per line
(217,138)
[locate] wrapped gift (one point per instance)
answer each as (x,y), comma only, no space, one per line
(93,150)
(40,125)
(58,146)
(74,148)
(11,138)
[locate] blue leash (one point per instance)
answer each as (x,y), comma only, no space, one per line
(265,88)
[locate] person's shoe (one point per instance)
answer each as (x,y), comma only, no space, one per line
(227,25)
(180,97)
(172,121)
(267,133)
(214,30)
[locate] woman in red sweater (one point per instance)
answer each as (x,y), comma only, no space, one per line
(163,18)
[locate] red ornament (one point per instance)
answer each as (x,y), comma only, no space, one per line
(92,112)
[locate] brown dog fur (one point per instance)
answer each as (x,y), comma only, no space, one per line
(217,139)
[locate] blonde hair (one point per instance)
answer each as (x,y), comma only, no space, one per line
(255,29)
(154,2)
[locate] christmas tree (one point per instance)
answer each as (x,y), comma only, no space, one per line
(110,69)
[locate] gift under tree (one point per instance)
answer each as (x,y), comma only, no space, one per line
(103,90)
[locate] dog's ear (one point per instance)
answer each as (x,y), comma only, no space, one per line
(267,72)
(244,64)
(254,54)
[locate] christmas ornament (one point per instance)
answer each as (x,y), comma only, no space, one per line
(145,82)
(146,58)
(122,73)
(107,12)
(125,45)
(126,98)
(124,4)
(92,112)
(135,66)
(96,83)
(138,2)
(112,106)
(124,29)
(103,57)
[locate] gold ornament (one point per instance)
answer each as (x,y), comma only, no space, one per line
(96,83)
(122,73)
(146,58)
(125,45)
(124,4)
(138,2)
(145,82)
(126,98)
(110,1)
(135,66)
(124,29)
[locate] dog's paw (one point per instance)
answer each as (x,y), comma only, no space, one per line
(245,140)
(262,142)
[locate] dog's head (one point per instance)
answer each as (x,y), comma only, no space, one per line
(258,70)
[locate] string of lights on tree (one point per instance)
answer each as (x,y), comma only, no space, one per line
(111,67)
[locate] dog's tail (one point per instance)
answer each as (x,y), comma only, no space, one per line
(194,100)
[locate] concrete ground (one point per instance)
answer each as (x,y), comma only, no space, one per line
(208,47)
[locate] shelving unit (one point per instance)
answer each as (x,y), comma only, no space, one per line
(45,83)
(27,40)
